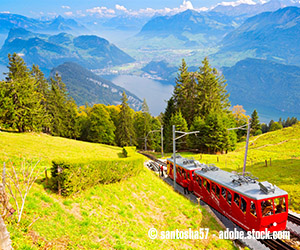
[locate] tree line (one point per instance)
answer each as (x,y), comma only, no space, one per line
(200,103)
(30,102)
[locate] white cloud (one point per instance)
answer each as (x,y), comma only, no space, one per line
(69,13)
(236,3)
(102,11)
(4,12)
(66,7)
(105,12)
(120,7)
(186,5)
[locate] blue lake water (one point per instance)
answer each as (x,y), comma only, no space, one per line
(155,93)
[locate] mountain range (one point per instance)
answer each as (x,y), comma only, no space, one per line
(269,35)
(244,9)
(265,84)
(194,29)
(49,51)
(58,24)
(87,87)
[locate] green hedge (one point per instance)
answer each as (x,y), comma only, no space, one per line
(129,151)
(75,175)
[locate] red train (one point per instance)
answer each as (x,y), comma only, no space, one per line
(250,204)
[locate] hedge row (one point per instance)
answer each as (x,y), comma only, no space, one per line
(71,176)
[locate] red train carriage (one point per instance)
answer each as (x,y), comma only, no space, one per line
(248,203)
(185,169)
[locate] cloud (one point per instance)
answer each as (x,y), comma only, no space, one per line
(102,11)
(66,7)
(236,3)
(69,13)
(105,12)
(120,7)
(186,5)
(4,12)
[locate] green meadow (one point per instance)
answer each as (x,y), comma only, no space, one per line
(112,216)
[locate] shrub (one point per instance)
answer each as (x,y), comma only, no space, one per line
(71,176)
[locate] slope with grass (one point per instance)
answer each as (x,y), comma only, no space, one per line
(113,216)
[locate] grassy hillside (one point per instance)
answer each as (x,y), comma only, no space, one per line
(113,216)
(282,147)
(34,146)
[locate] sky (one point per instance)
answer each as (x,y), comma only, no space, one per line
(77,8)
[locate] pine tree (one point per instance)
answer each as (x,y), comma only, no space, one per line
(62,109)
(255,125)
(212,95)
(43,88)
(180,125)
(125,131)
(185,93)
(21,98)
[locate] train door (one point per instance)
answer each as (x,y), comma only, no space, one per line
(170,172)
(215,194)
(252,217)
(197,187)
(239,207)
(206,190)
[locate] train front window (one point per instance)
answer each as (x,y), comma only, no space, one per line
(267,207)
(279,204)
(252,208)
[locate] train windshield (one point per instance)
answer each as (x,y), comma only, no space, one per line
(273,206)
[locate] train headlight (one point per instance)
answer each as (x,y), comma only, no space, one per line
(274,224)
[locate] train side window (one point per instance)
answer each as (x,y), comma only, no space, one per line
(279,205)
(213,187)
(229,197)
(224,193)
(188,174)
(267,207)
(200,181)
(252,208)
(218,191)
(237,199)
(208,186)
(243,205)
(204,182)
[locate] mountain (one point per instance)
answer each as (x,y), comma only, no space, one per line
(48,51)
(186,29)
(244,9)
(126,22)
(263,84)
(58,24)
(160,70)
(269,35)
(86,87)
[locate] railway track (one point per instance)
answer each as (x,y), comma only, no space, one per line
(253,244)
(276,244)
(294,219)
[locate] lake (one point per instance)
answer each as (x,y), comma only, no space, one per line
(155,93)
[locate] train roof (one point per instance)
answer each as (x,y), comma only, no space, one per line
(246,186)
(188,164)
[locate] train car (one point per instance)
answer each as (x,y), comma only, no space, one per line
(250,204)
(185,169)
